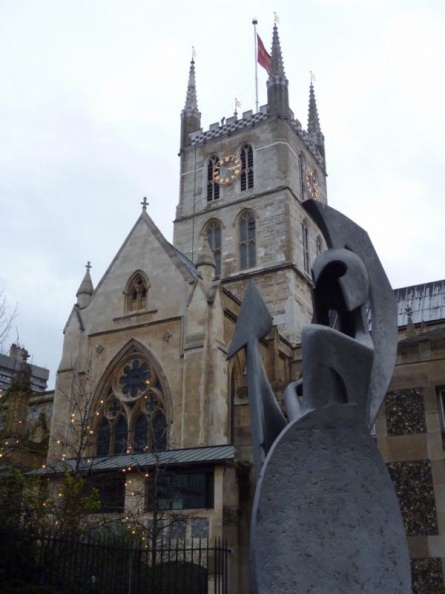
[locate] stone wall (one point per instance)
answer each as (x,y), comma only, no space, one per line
(409,435)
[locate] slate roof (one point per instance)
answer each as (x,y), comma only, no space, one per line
(210,455)
(427,302)
(185,260)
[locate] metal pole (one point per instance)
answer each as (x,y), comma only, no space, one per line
(255,43)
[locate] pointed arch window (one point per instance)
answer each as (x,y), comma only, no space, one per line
(247,240)
(150,433)
(120,436)
(319,245)
(212,186)
(214,238)
(141,435)
(301,168)
(246,167)
(159,432)
(137,292)
(103,437)
(132,420)
(305,233)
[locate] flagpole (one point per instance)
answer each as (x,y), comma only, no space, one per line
(254,23)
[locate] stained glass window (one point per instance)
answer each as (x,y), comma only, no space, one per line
(159,432)
(141,435)
(120,436)
(103,437)
(132,416)
(135,378)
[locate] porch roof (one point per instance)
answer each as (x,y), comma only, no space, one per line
(128,462)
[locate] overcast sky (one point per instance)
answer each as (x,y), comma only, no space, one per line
(90,97)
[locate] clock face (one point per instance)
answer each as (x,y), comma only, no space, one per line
(311,183)
(227,169)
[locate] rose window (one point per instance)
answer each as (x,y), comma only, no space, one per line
(135,378)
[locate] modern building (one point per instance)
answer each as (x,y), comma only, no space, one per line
(10,365)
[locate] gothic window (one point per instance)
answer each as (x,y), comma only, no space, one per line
(214,239)
(131,418)
(135,378)
(103,437)
(247,240)
(212,186)
(159,432)
(136,293)
(150,432)
(141,437)
(246,167)
(120,436)
(301,167)
(305,233)
(319,245)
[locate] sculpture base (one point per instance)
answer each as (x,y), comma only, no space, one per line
(325,518)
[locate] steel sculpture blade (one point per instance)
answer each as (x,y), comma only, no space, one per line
(341,232)
(266,419)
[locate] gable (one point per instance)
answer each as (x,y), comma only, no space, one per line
(166,271)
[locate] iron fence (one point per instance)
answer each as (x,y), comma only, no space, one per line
(47,563)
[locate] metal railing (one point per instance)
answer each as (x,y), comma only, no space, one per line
(98,564)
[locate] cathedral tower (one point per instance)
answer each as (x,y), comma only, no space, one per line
(242,185)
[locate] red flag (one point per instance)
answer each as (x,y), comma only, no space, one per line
(263,57)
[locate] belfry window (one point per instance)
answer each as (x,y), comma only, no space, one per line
(301,167)
(137,293)
(214,239)
(212,186)
(131,418)
(305,233)
(246,167)
(247,240)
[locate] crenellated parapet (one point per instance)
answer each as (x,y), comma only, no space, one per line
(249,119)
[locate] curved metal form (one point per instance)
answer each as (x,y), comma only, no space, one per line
(341,232)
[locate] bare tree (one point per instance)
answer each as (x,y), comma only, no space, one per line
(138,497)
(7,316)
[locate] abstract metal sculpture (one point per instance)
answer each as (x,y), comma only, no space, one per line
(325,517)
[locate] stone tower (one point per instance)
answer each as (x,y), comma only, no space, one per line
(242,183)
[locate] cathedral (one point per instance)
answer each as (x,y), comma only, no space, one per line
(143,382)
